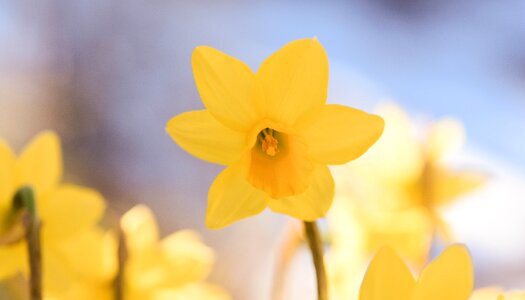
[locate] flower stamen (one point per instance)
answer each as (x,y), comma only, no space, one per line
(268,142)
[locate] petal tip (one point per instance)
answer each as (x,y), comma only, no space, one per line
(214,224)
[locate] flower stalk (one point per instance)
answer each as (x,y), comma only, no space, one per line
(122,255)
(316,247)
(24,203)
(292,241)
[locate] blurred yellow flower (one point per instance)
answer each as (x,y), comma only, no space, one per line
(392,196)
(404,172)
(394,192)
(273,130)
(173,268)
(66,211)
(449,276)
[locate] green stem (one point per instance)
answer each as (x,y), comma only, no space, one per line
(316,246)
(24,201)
(122,257)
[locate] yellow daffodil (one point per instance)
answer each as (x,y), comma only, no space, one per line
(394,192)
(65,210)
(173,268)
(405,172)
(393,195)
(273,130)
(449,276)
(497,294)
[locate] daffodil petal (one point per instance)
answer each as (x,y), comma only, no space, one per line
(339,134)
(69,209)
(293,80)
(7,178)
(450,276)
(444,138)
(515,295)
(13,259)
(40,164)
(199,133)
(387,278)
(449,184)
(224,84)
(192,291)
(187,258)
(232,198)
(314,202)
(90,254)
(490,293)
(396,157)
(140,227)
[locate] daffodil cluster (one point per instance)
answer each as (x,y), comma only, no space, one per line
(80,259)
(276,136)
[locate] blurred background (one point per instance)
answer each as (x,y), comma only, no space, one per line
(107,75)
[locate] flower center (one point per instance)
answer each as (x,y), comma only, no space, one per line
(278,164)
(268,142)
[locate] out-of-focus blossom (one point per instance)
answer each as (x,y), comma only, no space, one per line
(450,276)
(273,130)
(172,268)
(392,196)
(67,212)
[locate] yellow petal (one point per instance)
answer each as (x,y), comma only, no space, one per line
(293,80)
(445,137)
(7,181)
(187,257)
(489,293)
(447,185)
(40,164)
(224,85)
(450,276)
(69,209)
(396,158)
(408,232)
(13,259)
(231,198)
(82,290)
(314,202)
(199,133)
(515,295)
(90,254)
(387,278)
(140,229)
(193,291)
(338,134)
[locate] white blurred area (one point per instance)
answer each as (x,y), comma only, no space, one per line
(490,222)
(108,74)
